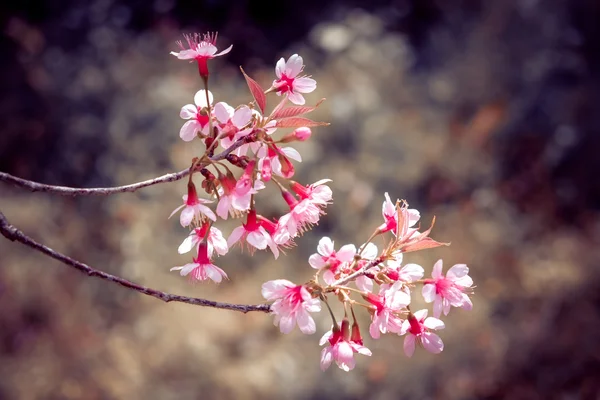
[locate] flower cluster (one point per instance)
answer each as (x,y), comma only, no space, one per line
(243,154)
(351,270)
(251,157)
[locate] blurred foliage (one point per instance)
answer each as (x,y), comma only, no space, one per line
(481,113)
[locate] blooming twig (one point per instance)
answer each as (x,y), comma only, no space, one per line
(12,233)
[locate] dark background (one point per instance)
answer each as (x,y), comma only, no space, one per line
(484,114)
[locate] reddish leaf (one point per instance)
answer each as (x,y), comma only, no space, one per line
(257,92)
(297,122)
(294,111)
(426,243)
(279,106)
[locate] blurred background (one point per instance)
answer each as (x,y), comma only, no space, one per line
(484,114)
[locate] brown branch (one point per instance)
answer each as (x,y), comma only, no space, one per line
(12,233)
(70,191)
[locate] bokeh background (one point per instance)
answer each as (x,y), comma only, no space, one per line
(484,114)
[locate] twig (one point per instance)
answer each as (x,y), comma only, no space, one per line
(70,191)
(12,233)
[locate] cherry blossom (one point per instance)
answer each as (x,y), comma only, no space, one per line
(216,241)
(232,122)
(233,197)
(408,274)
(328,258)
(202,269)
(390,215)
(288,82)
(193,207)
(448,291)
(341,347)
(417,328)
(277,160)
(388,304)
(303,214)
(197,115)
(253,233)
(200,48)
(292,305)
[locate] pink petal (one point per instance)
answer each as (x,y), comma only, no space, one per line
(437,269)
(235,235)
(432,342)
(186,217)
(275,289)
(292,153)
(242,117)
(223,112)
(177,209)
(326,355)
(188,131)
(188,243)
(286,324)
(305,85)
(409,345)
(438,306)
(316,261)
(421,314)
(280,67)
(227,50)
(325,247)
(256,239)
(457,271)
(306,323)
(428,292)
(188,111)
(346,253)
(434,323)
(412,272)
(296,98)
(200,98)
(294,66)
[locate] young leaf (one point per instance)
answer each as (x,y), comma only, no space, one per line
(257,92)
(297,122)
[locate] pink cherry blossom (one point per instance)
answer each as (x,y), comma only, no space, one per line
(288,82)
(201,49)
(408,274)
(193,207)
(216,241)
(292,305)
(234,198)
(254,234)
(196,115)
(390,216)
(341,347)
(232,122)
(202,269)
(388,304)
(417,328)
(448,291)
(276,160)
(303,215)
(328,258)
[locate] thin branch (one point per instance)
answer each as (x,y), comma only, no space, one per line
(13,234)
(70,191)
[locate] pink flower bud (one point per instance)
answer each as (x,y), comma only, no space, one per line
(303,133)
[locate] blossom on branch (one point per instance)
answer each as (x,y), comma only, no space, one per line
(193,208)
(202,269)
(197,115)
(289,83)
(450,290)
(341,346)
(292,305)
(200,48)
(417,329)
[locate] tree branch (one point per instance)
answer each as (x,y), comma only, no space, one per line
(13,234)
(70,191)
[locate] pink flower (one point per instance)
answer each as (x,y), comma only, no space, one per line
(417,329)
(390,302)
(202,269)
(390,215)
(292,305)
(197,116)
(289,83)
(215,240)
(200,49)
(318,193)
(234,197)
(193,207)
(408,274)
(277,160)
(328,258)
(254,234)
(342,346)
(232,122)
(302,216)
(448,291)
